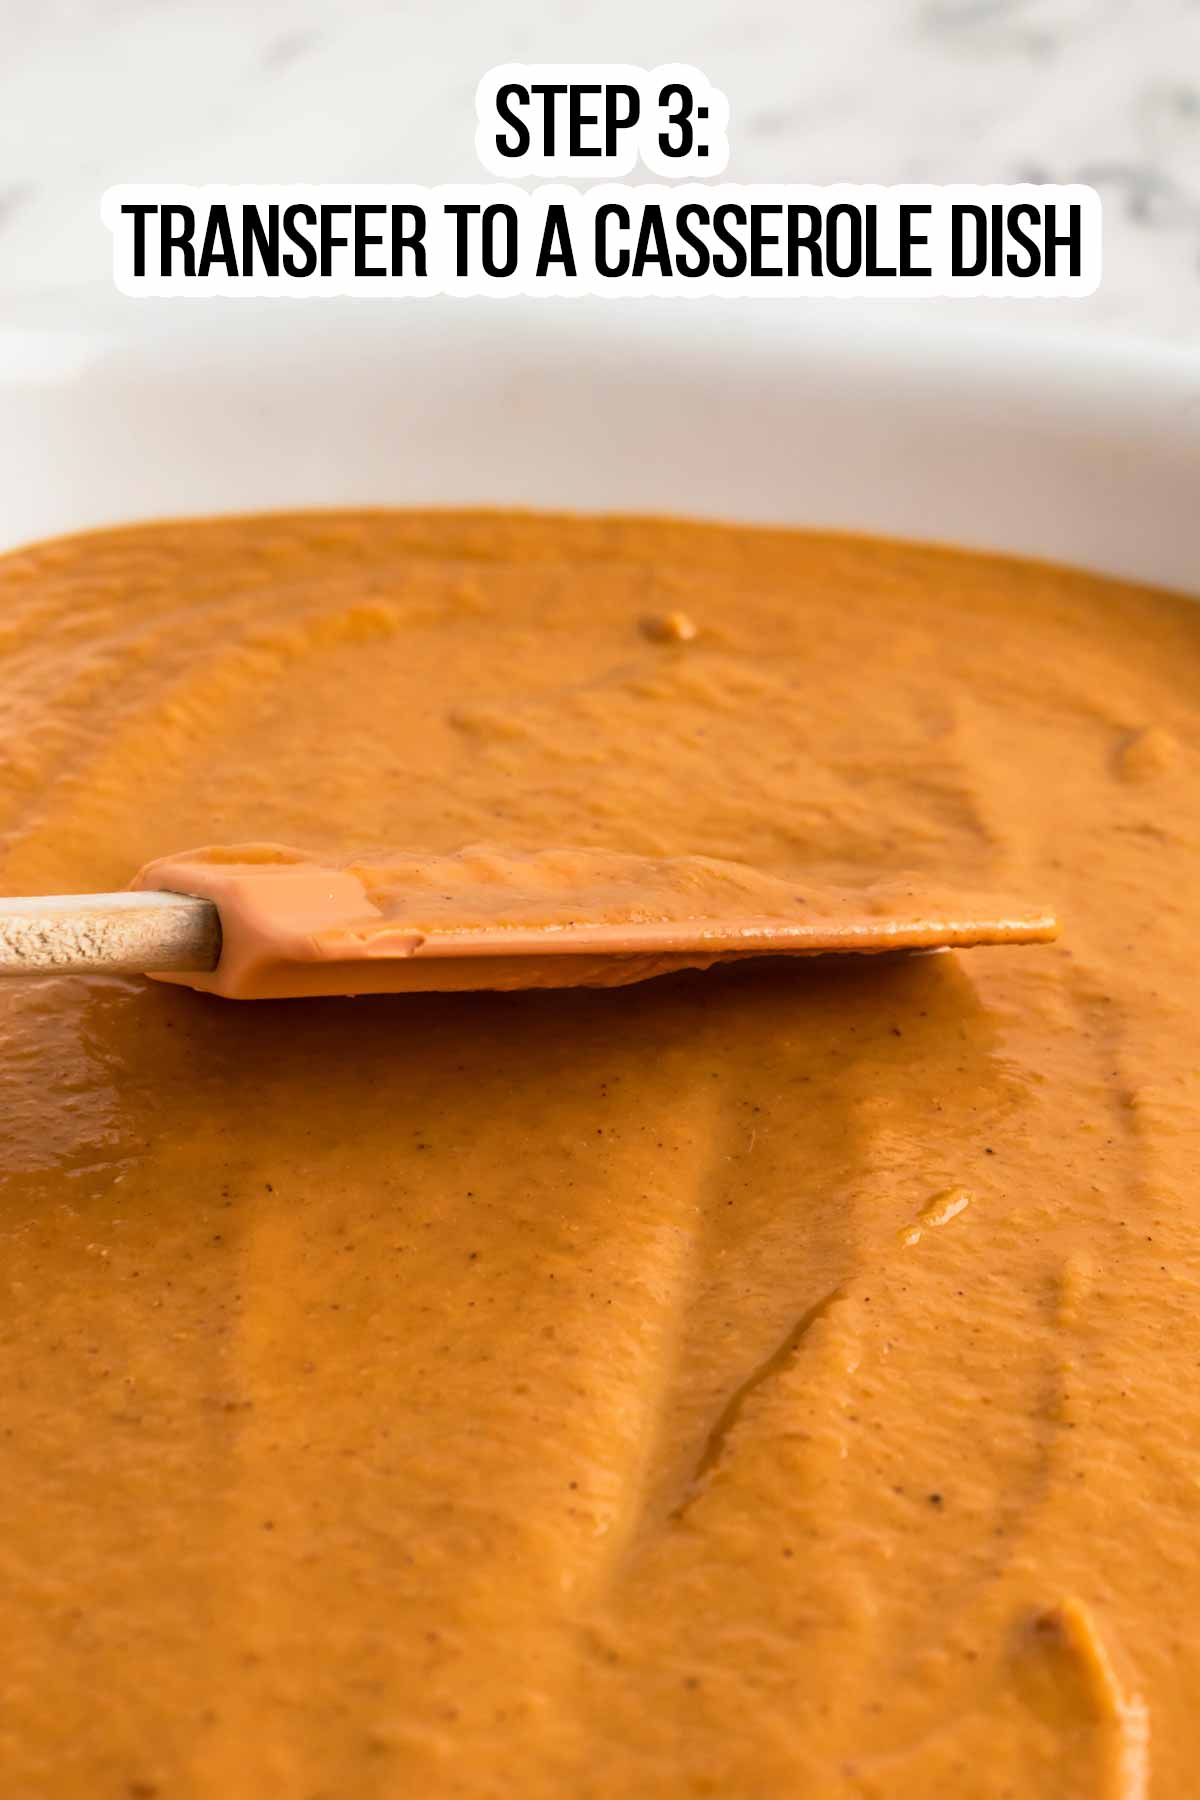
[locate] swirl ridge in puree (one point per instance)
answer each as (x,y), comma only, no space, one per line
(749,1383)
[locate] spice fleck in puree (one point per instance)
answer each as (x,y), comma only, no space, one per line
(774,1382)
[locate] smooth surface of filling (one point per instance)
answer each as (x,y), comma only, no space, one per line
(772,1381)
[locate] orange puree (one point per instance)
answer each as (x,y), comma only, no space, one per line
(768,1382)
(294,924)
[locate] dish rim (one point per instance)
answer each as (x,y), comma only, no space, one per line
(889,420)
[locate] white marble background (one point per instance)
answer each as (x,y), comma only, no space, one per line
(1106,91)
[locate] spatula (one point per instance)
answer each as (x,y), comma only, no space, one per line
(261,921)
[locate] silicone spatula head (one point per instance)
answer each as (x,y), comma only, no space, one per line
(294,924)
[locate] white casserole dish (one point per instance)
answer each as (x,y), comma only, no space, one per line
(1061,445)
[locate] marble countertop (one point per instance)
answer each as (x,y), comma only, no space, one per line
(1104,91)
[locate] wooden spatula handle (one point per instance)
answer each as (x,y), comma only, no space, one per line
(129,933)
